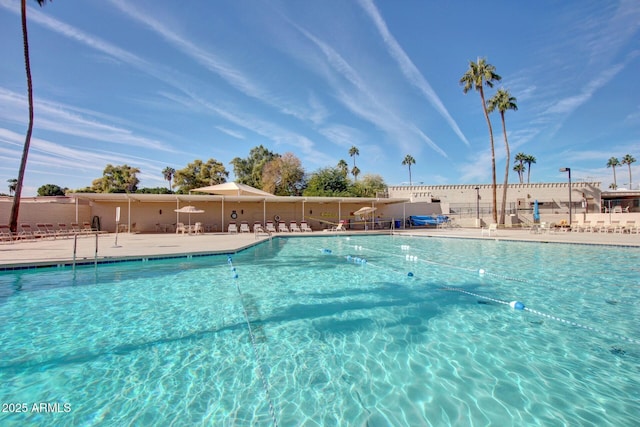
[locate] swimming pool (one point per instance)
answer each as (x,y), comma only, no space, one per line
(360,330)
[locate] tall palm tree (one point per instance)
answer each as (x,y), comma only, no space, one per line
(168,173)
(481,73)
(627,160)
(520,168)
(529,160)
(353,152)
(343,167)
(15,208)
(612,163)
(408,161)
(503,101)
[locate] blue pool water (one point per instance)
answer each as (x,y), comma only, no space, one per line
(332,340)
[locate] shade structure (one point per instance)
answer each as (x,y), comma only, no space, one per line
(365,210)
(233,189)
(189,210)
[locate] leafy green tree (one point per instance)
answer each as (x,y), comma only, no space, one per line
(154,190)
(353,152)
(117,179)
(249,171)
(283,176)
(168,173)
(50,190)
(15,207)
(371,185)
(627,160)
(478,75)
(520,158)
(327,182)
(529,160)
(612,163)
(503,101)
(13,183)
(199,174)
(408,161)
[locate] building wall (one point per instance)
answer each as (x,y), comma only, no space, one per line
(52,210)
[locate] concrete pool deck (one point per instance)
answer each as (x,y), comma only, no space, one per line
(42,252)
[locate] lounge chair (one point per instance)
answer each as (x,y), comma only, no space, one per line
(304,226)
(75,228)
(26,233)
(611,228)
(257,227)
(86,228)
(5,234)
(491,229)
(293,227)
(340,226)
(63,231)
(270,227)
(244,227)
(233,228)
(625,228)
(41,230)
(282,227)
(598,227)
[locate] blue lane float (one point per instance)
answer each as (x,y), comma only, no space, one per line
(516,305)
(355,260)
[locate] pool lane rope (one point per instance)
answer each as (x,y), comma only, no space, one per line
(265,384)
(516,305)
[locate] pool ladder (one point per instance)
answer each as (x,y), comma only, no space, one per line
(75,249)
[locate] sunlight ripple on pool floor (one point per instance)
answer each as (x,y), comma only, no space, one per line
(340,342)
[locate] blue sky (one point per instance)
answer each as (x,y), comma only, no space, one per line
(161,83)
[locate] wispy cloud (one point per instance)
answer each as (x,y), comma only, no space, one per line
(362,101)
(63,119)
(215,63)
(230,132)
(408,68)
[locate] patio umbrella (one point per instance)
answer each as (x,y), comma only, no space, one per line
(232,189)
(363,212)
(190,210)
(536,211)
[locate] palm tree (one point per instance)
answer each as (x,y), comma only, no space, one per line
(503,101)
(529,160)
(15,208)
(12,185)
(353,152)
(520,168)
(343,167)
(408,161)
(627,160)
(168,173)
(520,158)
(612,163)
(479,74)
(355,172)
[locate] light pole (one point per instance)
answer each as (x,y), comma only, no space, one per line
(477,206)
(569,171)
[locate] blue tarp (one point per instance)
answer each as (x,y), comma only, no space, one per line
(417,220)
